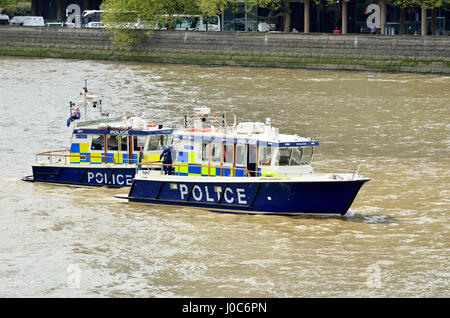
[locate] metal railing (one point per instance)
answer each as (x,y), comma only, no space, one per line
(354,172)
(57,155)
(152,165)
(334,173)
(98,121)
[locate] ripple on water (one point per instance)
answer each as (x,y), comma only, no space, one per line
(396,228)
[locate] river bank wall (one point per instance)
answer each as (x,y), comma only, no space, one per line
(427,55)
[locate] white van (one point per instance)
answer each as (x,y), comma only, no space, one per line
(186,22)
(4,19)
(28,21)
(212,23)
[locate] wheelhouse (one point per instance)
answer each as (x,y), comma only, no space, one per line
(117,146)
(201,154)
(243,150)
(111,143)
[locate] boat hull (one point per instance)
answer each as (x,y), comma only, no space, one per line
(116,177)
(266,197)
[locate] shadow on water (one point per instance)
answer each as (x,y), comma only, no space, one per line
(351,216)
(370,219)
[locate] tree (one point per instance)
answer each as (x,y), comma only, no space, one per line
(123,17)
(282,7)
(15,7)
(272,5)
(344,13)
(425,4)
(212,7)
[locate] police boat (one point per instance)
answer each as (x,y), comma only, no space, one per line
(103,151)
(245,168)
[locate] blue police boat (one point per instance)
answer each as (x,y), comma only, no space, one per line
(244,168)
(103,151)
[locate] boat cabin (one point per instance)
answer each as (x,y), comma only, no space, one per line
(118,142)
(249,149)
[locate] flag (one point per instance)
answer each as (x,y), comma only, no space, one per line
(76,115)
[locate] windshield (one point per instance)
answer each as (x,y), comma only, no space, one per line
(294,156)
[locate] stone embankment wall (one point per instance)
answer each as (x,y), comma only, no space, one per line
(430,55)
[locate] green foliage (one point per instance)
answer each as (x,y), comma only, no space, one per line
(123,17)
(429,4)
(212,7)
(13,8)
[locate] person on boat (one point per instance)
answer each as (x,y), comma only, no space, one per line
(169,155)
(141,158)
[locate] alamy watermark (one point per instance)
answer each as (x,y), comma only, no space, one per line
(374,273)
(74,278)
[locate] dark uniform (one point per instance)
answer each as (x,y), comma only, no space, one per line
(168,154)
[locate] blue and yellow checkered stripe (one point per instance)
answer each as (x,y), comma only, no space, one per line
(187,166)
(197,170)
(79,154)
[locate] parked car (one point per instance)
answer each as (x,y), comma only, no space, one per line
(4,19)
(94,25)
(235,25)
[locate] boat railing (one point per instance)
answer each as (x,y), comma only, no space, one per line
(98,121)
(158,165)
(57,156)
(334,173)
(354,172)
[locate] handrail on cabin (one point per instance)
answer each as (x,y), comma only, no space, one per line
(54,153)
(159,163)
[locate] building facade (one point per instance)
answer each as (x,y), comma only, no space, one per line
(55,10)
(356,16)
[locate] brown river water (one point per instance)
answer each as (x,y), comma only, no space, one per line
(59,241)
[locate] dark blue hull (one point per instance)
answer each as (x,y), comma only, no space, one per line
(84,175)
(326,197)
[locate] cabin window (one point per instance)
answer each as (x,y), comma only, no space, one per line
(112,142)
(138,143)
(205,151)
(215,152)
(228,153)
(283,156)
(157,142)
(296,156)
(265,155)
(123,143)
(307,155)
(98,142)
(241,154)
(252,154)
(289,156)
